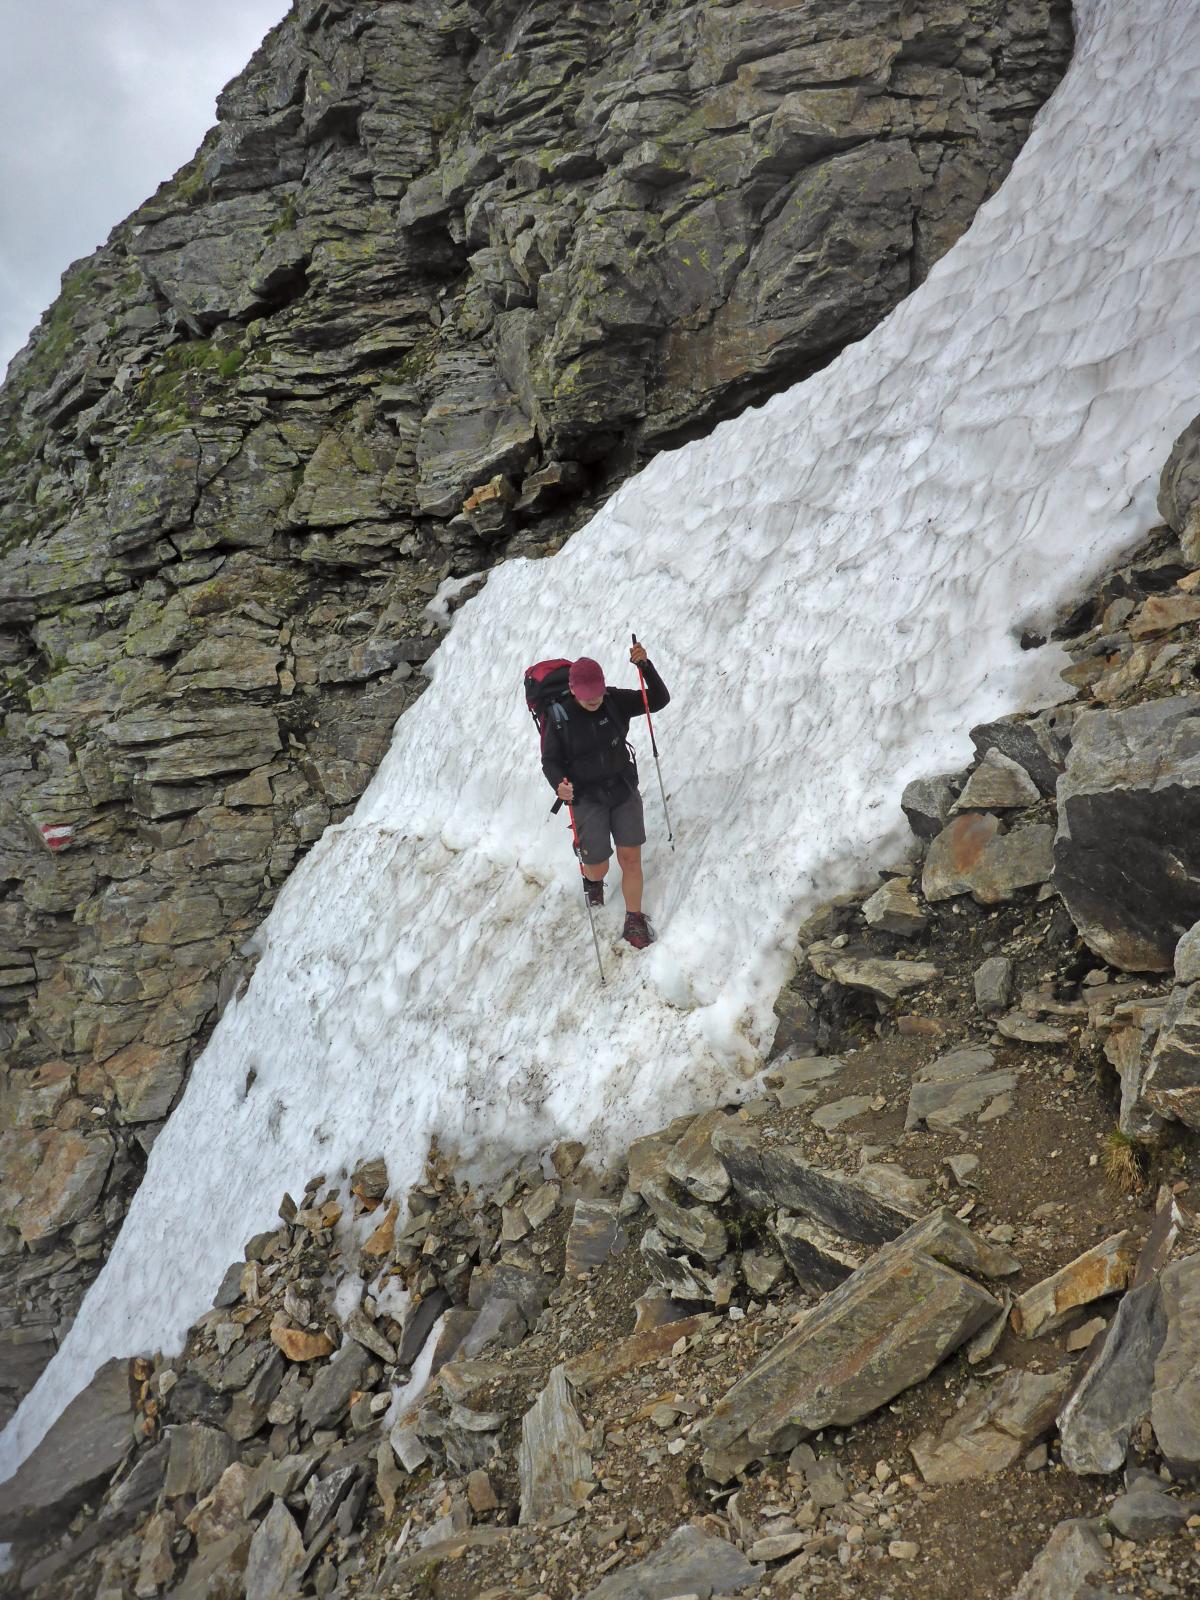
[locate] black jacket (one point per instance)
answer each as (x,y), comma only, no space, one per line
(589,747)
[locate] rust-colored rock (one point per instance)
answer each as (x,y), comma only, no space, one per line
(300,1346)
(1105,1269)
(383,1238)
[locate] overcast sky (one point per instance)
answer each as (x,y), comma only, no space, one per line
(102,100)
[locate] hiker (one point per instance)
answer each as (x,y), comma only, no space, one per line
(589,765)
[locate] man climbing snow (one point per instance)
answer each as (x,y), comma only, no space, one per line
(589,765)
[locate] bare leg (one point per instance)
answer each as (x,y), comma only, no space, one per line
(596,872)
(629,859)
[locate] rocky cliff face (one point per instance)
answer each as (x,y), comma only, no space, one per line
(439,278)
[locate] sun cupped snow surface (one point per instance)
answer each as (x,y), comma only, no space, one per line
(832,587)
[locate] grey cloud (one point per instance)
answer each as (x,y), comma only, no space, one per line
(103,100)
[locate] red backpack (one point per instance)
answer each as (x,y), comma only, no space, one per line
(546,689)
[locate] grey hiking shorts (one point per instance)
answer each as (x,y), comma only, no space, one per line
(601,825)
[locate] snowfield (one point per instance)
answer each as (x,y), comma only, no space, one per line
(832,587)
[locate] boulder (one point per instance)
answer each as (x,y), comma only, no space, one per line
(1170,1085)
(973,856)
(926,802)
(695,1228)
(1175,1400)
(275,1557)
(885,1328)
(780,1176)
(1179,491)
(328,1400)
(893,909)
(695,1165)
(198,1456)
(1038,744)
(1113,1392)
(1127,851)
(1146,1510)
(82,1449)
(690,1562)
(993,1429)
(1073,1555)
(998,784)
(218,1573)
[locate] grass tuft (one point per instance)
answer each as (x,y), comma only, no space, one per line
(1123,1164)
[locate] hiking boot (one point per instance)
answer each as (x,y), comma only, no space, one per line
(593,888)
(638,931)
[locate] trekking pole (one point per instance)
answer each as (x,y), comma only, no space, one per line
(583,877)
(654,747)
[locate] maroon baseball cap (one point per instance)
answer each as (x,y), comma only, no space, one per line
(586,679)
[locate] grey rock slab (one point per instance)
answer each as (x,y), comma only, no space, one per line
(873,975)
(276,1557)
(1113,1391)
(218,1573)
(1127,852)
(782,1176)
(141,1486)
(420,1322)
(947,1239)
(647,1157)
(1019,1025)
(993,984)
(998,783)
(993,1429)
(514,1277)
(83,1448)
(955,1085)
(360,1328)
(926,802)
(833,1114)
(793,1083)
(1187,956)
(198,1457)
(893,908)
(890,1183)
(1170,1085)
(248,1410)
(1175,1400)
(1179,491)
(156,1564)
(885,1328)
(1072,1556)
(554,1460)
(276,1479)
(690,1562)
(327,1401)
(1145,1511)
(498,1321)
(326,1498)
(595,1234)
